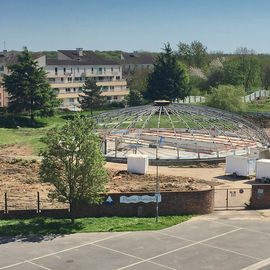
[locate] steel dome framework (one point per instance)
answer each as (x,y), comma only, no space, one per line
(179,131)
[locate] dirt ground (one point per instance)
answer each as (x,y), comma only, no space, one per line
(19,179)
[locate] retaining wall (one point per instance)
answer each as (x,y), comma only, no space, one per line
(172,203)
(260,196)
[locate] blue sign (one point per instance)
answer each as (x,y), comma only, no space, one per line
(161,141)
(109,201)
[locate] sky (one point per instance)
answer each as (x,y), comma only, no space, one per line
(221,25)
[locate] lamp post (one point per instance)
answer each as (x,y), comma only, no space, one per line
(157,185)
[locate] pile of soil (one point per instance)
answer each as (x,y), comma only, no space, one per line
(20,180)
(122,181)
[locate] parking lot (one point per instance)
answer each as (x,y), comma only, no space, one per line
(223,240)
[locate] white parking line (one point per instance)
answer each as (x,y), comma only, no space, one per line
(43,267)
(177,249)
(258,265)
(251,230)
(64,250)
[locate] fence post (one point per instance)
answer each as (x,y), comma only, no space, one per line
(6,208)
(227,200)
(38,202)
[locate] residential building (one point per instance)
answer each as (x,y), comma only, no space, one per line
(130,61)
(72,68)
(68,72)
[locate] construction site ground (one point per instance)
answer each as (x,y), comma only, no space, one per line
(19,179)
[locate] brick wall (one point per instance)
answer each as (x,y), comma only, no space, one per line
(260,196)
(172,203)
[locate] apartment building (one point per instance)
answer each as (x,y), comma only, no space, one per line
(130,61)
(72,68)
(68,72)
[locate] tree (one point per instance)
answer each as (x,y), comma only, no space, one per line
(134,98)
(92,98)
(29,88)
(265,75)
(73,163)
(194,55)
(242,69)
(226,97)
(138,79)
(169,79)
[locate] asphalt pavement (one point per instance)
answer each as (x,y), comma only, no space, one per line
(222,240)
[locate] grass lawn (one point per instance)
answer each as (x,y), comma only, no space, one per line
(102,224)
(10,134)
(261,105)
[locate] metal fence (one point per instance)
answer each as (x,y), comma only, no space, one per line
(247,98)
(232,198)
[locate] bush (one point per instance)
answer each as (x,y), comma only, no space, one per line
(226,97)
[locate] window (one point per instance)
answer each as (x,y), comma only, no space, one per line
(77,78)
(115,97)
(112,69)
(62,79)
(78,70)
(56,90)
(55,71)
(111,88)
(80,89)
(108,98)
(92,70)
(104,70)
(105,88)
(64,70)
(51,79)
(99,70)
(71,100)
(74,89)
(117,78)
(67,90)
(69,79)
(71,70)
(84,69)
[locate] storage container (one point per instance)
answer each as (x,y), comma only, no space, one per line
(137,163)
(241,165)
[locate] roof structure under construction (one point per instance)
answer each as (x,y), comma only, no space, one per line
(178,131)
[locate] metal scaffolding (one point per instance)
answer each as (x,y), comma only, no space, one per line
(179,131)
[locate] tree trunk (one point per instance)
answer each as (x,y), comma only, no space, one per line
(72,214)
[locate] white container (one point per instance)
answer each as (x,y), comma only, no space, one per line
(241,166)
(263,169)
(137,163)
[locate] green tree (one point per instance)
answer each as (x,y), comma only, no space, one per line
(91,98)
(265,75)
(28,88)
(74,164)
(134,98)
(226,97)
(194,54)
(169,79)
(242,69)
(138,79)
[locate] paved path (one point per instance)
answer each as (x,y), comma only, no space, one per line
(223,240)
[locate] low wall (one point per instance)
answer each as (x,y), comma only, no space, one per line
(260,196)
(172,203)
(168,162)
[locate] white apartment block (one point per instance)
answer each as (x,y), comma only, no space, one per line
(72,68)
(68,72)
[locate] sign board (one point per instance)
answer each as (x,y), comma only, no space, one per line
(233,193)
(137,199)
(260,193)
(109,201)
(241,191)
